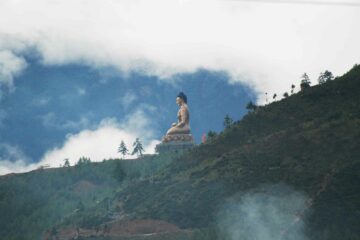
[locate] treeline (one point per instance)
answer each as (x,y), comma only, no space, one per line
(305,83)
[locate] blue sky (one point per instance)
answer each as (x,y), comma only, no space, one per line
(78,76)
(50,103)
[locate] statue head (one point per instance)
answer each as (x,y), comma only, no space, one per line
(181,98)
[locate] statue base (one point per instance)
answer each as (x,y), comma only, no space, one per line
(175,142)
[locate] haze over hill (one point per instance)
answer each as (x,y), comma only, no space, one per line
(286,170)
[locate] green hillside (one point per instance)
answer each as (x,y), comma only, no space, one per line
(297,158)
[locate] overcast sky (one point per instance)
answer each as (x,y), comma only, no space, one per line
(265,45)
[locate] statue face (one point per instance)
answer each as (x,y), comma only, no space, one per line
(179,101)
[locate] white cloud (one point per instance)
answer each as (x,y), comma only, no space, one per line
(9,152)
(10,66)
(40,101)
(82,123)
(12,159)
(127,99)
(81,91)
(17,166)
(265,45)
(98,143)
(51,120)
(102,142)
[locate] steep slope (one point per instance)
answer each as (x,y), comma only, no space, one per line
(35,201)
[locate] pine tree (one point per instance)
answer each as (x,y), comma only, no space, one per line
(305,81)
(83,161)
(266,98)
(251,105)
(286,94)
(138,148)
(325,77)
(123,149)
(67,163)
(211,135)
(274,96)
(227,121)
(321,78)
(328,75)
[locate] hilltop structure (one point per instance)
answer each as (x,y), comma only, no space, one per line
(179,135)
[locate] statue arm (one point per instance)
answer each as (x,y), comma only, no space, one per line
(183,114)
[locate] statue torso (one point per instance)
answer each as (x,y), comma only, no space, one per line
(185,112)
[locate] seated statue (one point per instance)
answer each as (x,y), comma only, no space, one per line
(182,126)
(180,131)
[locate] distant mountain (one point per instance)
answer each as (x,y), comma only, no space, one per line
(287,170)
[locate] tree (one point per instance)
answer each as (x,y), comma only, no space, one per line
(321,78)
(251,106)
(305,81)
(274,96)
(67,163)
(292,88)
(228,121)
(286,94)
(266,97)
(138,148)
(123,149)
(211,135)
(325,77)
(83,161)
(328,76)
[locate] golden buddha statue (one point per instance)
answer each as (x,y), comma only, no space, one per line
(182,126)
(180,131)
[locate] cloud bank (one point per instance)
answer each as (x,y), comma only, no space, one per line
(10,66)
(267,46)
(98,143)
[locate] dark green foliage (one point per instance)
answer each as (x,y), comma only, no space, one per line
(80,206)
(33,202)
(83,161)
(292,88)
(325,77)
(138,148)
(228,121)
(119,173)
(305,81)
(211,135)
(123,149)
(66,162)
(53,231)
(251,106)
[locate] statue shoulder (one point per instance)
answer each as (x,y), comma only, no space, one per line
(184,109)
(185,106)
